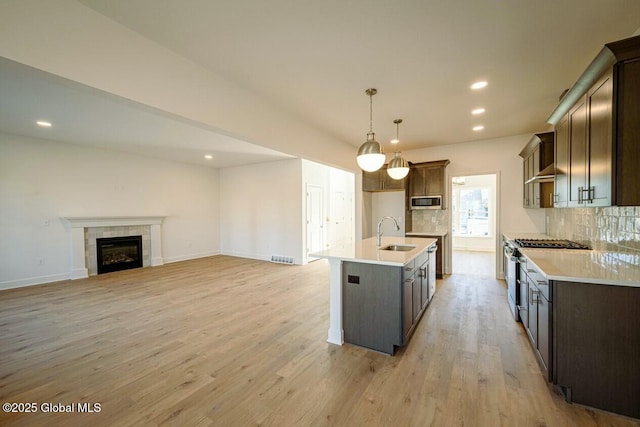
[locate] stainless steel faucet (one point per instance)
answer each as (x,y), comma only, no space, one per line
(379,241)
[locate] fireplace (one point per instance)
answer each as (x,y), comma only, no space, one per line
(119,253)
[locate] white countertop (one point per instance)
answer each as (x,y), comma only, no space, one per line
(600,267)
(439,233)
(587,266)
(366,251)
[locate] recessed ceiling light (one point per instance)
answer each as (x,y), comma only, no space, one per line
(479,85)
(478,128)
(43,124)
(208,156)
(478,111)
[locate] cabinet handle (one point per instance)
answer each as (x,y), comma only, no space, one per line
(580,194)
(541,282)
(550,199)
(591,194)
(532,299)
(408,269)
(529,270)
(424,272)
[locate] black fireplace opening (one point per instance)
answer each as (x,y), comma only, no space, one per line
(119,253)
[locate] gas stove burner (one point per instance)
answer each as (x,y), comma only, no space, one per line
(549,244)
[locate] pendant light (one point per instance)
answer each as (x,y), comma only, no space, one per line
(398,167)
(370,155)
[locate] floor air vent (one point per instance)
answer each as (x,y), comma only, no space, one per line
(282,259)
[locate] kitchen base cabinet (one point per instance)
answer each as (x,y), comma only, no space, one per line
(383,304)
(536,317)
(372,305)
(596,347)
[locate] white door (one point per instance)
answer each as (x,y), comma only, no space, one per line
(315,219)
(341,229)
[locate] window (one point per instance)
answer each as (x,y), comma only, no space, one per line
(470,211)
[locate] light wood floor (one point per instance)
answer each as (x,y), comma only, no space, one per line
(233,342)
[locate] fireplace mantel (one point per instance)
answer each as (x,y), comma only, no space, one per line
(77,226)
(111,221)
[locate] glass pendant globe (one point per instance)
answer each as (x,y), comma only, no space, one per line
(371,162)
(398,167)
(370,155)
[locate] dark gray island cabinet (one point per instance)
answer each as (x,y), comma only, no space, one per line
(383,303)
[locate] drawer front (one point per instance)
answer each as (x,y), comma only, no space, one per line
(409,269)
(536,278)
(421,259)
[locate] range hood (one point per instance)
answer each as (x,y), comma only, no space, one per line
(547,174)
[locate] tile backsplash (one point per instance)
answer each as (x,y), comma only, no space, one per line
(612,228)
(430,220)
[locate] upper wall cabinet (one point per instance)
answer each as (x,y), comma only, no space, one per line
(381,181)
(428,179)
(597,132)
(538,171)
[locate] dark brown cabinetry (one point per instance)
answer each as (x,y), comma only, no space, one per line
(595,346)
(537,164)
(561,182)
(535,296)
(597,128)
(381,181)
(428,179)
(414,302)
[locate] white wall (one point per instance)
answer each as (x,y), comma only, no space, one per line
(261,210)
(41,181)
(387,204)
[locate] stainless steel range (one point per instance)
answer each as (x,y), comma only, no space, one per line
(512,258)
(549,244)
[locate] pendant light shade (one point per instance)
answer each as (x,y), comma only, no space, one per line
(398,167)
(370,154)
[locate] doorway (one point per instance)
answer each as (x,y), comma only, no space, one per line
(315,219)
(473,224)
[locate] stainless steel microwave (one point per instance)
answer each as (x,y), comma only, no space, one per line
(426,202)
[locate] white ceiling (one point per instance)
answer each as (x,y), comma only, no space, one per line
(315,59)
(83,115)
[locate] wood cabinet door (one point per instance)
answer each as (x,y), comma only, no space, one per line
(627,126)
(407,307)
(424,284)
(417,179)
(417,300)
(535,186)
(578,156)
(371,181)
(434,184)
(562,163)
(389,183)
(600,100)
(532,298)
(543,330)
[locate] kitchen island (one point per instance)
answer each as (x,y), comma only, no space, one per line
(398,280)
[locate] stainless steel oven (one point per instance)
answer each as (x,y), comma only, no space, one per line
(511,273)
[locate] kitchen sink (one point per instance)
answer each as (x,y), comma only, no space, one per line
(398,248)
